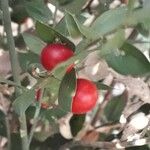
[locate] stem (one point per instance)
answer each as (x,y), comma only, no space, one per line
(23,132)
(14,66)
(8,132)
(35,120)
(10,41)
(36,115)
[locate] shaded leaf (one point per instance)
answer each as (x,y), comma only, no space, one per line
(49,29)
(73,6)
(132,62)
(16,141)
(114,108)
(33,43)
(19,13)
(26,59)
(22,102)
(102,86)
(54,113)
(76,123)
(66,90)
(38,10)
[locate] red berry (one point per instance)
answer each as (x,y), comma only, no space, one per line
(85,97)
(53,54)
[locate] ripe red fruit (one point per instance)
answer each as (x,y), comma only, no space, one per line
(85,97)
(53,54)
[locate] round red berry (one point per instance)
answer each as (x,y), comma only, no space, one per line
(54,54)
(85,97)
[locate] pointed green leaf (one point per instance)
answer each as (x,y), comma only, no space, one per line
(38,10)
(76,123)
(72,26)
(44,32)
(132,62)
(73,6)
(54,113)
(50,30)
(67,90)
(22,102)
(75,28)
(33,43)
(109,21)
(114,43)
(114,108)
(26,59)
(102,86)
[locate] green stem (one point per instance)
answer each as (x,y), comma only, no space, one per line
(10,42)
(36,115)
(35,120)
(14,65)
(23,132)
(8,132)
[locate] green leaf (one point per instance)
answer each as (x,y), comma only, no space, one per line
(109,21)
(115,42)
(44,32)
(54,113)
(102,86)
(22,102)
(131,4)
(61,27)
(38,10)
(19,13)
(76,123)
(140,15)
(34,44)
(66,90)
(73,6)
(26,59)
(114,108)
(132,62)
(65,40)
(72,26)
(75,28)
(16,141)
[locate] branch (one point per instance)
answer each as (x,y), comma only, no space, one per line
(102,145)
(14,66)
